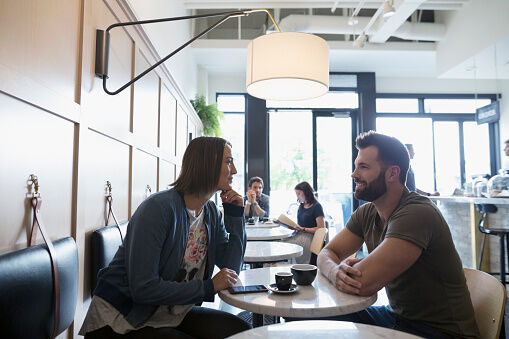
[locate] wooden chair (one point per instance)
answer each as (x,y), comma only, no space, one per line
(317,244)
(488,298)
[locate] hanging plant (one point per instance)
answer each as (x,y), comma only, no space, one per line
(209,115)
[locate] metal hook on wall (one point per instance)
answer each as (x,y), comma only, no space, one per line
(34,182)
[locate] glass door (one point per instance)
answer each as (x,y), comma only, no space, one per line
(333,165)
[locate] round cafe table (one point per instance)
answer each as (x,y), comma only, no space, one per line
(268,233)
(322,329)
(259,252)
(320,299)
(262,225)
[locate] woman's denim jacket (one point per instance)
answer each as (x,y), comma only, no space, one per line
(141,275)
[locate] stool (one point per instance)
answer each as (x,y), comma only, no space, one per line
(503,235)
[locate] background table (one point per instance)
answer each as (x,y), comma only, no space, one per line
(259,252)
(268,233)
(322,329)
(263,225)
(321,299)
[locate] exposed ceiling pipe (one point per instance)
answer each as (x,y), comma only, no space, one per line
(328,24)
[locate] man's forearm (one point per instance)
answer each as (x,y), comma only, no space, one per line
(328,262)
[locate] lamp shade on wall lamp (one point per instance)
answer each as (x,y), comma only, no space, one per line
(287,66)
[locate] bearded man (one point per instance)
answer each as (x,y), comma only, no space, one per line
(411,252)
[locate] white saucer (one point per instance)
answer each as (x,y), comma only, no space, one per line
(273,288)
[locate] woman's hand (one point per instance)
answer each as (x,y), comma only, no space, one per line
(231,197)
(224,279)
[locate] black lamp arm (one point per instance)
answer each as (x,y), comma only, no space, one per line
(103,42)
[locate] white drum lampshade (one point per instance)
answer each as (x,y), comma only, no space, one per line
(287,66)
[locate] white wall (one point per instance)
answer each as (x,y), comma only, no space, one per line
(182,65)
(478,25)
(231,83)
(431,85)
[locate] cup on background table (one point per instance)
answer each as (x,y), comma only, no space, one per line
(284,281)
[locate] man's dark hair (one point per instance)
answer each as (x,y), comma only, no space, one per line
(201,165)
(507,141)
(390,150)
(309,193)
(254,179)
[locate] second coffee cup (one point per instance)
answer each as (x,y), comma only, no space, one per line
(284,280)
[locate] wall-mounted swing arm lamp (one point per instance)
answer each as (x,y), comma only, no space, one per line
(280,66)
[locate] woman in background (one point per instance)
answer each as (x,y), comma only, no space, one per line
(310,217)
(164,266)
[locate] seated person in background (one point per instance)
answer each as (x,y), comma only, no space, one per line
(256,203)
(410,178)
(411,251)
(164,266)
(310,217)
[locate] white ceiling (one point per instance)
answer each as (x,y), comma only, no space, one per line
(408,58)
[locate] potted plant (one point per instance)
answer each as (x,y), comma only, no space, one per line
(209,116)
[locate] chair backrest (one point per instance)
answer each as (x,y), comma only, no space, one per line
(318,240)
(105,243)
(26,290)
(488,298)
(317,244)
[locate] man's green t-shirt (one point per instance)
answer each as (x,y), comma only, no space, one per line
(433,290)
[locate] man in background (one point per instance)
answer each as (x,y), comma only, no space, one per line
(256,204)
(410,178)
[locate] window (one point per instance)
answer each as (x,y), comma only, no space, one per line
(418,132)
(329,100)
(449,145)
(291,156)
(390,105)
(233,129)
(454,105)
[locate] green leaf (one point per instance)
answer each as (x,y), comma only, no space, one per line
(209,115)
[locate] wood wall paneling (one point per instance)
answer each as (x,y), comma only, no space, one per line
(144,173)
(168,113)
(146,103)
(182,136)
(42,37)
(34,141)
(166,174)
(106,113)
(107,160)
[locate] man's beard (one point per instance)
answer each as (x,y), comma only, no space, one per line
(373,190)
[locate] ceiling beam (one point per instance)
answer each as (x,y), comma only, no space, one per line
(384,28)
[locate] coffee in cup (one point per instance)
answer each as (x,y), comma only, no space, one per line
(284,280)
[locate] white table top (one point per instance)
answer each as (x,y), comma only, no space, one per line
(268,233)
(263,225)
(265,251)
(320,299)
(321,329)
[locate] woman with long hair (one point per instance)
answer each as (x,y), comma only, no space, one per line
(310,217)
(164,266)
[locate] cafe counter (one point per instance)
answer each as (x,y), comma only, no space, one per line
(463,219)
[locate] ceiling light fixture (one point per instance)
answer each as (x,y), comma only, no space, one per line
(280,66)
(352,21)
(388,10)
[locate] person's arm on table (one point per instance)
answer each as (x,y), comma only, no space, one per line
(334,263)
(391,258)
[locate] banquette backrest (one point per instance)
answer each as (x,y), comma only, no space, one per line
(105,243)
(26,290)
